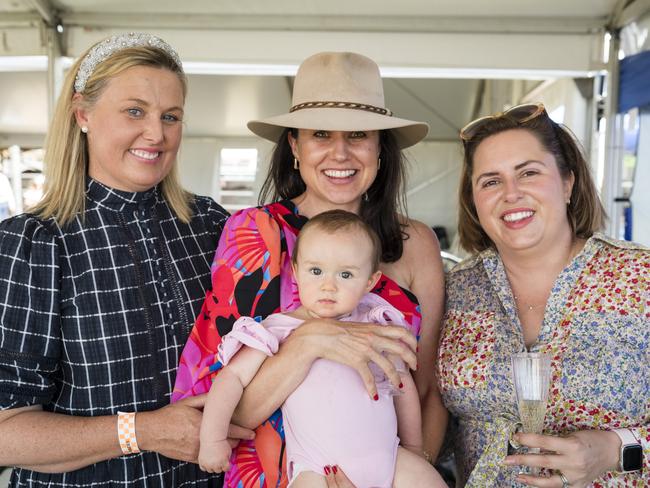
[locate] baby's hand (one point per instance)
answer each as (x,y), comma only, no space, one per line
(214,457)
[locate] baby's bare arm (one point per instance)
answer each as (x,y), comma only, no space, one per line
(409,418)
(224,395)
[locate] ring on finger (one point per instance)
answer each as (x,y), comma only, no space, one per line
(565,481)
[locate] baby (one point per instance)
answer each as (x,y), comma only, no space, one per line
(329,419)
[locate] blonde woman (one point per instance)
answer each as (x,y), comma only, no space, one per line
(100,282)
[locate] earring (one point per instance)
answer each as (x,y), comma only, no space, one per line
(365,196)
(296,164)
(84,129)
(378,164)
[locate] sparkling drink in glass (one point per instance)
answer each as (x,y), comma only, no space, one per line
(531,372)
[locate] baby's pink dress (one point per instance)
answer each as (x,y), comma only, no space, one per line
(330,418)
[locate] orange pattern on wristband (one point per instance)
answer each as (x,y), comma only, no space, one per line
(126,432)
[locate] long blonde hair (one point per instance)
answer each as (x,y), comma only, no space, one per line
(66,148)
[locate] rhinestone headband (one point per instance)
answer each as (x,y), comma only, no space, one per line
(112,45)
(356,106)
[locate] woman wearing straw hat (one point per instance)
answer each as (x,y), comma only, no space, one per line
(337,148)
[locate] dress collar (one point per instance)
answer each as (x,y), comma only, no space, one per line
(117,199)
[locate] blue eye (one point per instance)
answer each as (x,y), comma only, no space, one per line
(315,271)
(134,112)
(346,275)
(170,118)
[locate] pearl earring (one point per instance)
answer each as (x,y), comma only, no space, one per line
(84,129)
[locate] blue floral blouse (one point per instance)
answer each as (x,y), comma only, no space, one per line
(597,329)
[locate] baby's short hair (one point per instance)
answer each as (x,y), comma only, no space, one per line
(334,221)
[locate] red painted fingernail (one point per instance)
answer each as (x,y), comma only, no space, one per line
(334,469)
(417,348)
(376,397)
(401,385)
(326,469)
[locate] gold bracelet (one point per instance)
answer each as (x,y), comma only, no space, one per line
(126,432)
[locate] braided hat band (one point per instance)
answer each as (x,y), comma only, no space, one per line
(339,91)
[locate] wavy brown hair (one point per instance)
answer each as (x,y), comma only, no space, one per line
(386,196)
(585,211)
(66,148)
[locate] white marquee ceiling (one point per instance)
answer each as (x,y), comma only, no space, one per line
(448,45)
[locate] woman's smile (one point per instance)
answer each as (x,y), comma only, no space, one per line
(339,174)
(517,218)
(145,154)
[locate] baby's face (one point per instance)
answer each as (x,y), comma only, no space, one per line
(334,271)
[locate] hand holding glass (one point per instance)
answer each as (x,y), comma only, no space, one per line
(531,373)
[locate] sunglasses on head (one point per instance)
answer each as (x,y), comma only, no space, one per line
(520,113)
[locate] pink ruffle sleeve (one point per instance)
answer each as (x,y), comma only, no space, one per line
(387,315)
(380,311)
(265,336)
(246,332)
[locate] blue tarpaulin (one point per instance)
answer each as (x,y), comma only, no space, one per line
(634,81)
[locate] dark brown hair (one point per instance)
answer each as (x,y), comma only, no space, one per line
(335,221)
(386,195)
(585,211)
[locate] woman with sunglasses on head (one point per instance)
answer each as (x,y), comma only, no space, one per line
(100,282)
(338,148)
(543,280)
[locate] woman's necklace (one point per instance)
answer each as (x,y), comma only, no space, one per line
(527,305)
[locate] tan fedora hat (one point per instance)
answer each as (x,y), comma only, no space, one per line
(339,91)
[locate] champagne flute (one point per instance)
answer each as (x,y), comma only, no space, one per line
(531,372)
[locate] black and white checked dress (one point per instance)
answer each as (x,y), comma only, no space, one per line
(93,318)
